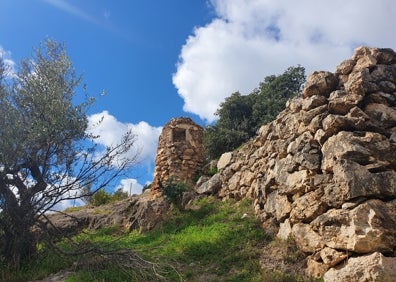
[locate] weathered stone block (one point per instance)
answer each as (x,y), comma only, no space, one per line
(369,227)
(371,268)
(224,160)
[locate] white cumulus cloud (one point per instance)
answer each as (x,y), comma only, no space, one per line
(130,186)
(110,130)
(9,64)
(64,204)
(250,39)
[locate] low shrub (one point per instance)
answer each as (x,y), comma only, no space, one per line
(173,191)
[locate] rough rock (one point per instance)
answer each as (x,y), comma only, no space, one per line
(367,228)
(307,240)
(319,262)
(332,257)
(373,267)
(211,186)
(285,230)
(135,213)
(324,171)
(224,160)
(320,83)
(315,268)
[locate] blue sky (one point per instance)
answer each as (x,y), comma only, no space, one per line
(159,59)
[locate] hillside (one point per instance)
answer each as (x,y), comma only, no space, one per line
(312,196)
(210,240)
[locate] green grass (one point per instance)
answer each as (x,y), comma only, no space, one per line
(212,243)
(213,239)
(73,209)
(47,262)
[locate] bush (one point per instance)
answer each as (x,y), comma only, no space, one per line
(212,171)
(119,195)
(173,191)
(101,197)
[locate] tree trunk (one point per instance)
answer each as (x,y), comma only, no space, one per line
(18,241)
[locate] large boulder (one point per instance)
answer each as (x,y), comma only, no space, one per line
(224,160)
(211,186)
(367,228)
(134,213)
(367,268)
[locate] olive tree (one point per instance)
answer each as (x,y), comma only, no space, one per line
(46,152)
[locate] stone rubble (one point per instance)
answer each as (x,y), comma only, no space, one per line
(324,172)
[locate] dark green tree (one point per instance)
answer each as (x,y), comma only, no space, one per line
(46,154)
(101,197)
(235,114)
(234,126)
(240,116)
(273,93)
(119,195)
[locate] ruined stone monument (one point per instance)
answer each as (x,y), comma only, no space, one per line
(180,153)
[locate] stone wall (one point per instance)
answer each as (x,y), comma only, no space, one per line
(180,153)
(324,172)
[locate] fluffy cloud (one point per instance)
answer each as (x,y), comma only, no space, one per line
(131,186)
(64,204)
(250,39)
(110,131)
(8,62)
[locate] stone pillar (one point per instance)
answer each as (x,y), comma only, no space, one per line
(180,153)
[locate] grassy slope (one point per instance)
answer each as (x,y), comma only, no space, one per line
(211,242)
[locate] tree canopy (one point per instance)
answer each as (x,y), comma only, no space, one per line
(240,116)
(46,152)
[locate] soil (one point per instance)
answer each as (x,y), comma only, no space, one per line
(61,276)
(284,257)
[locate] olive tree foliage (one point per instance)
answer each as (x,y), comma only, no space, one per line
(46,152)
(240,116)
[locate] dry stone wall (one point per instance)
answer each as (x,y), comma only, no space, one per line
(324,172)
(180,153)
